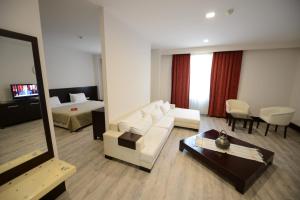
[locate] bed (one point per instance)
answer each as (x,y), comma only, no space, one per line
(71,115)
(74,116)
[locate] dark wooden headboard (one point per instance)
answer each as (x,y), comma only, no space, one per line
(63,93)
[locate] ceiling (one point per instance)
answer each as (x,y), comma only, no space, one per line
(182,23)
(63,21)
(173,24)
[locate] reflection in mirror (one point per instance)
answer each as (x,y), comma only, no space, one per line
(22,135)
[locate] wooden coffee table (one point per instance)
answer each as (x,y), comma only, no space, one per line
(242,173)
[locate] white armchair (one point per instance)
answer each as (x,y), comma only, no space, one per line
(237,107)
(278,116)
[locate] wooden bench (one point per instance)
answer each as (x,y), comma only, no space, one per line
(45,180)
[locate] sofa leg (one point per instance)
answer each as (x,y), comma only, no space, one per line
(276,127)
(108,157)
(285,130)
(267,129)
(145,169)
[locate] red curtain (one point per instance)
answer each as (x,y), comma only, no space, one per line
(224,82)
(181,80)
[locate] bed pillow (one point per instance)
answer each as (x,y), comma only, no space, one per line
(54,101)
(78,98)
(156,115)
(165,107)
(142,126)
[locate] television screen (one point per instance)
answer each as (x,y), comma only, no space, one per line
(24,90)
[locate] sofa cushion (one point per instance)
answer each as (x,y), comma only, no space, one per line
(125,124)
(148,109)
(185,115)
(153,143)
(166,122)
(158,103)
(165,107)
(156,114)
(141,126)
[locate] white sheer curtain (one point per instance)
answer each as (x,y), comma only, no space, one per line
(200,69)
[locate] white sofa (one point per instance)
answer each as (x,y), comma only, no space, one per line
(153,137)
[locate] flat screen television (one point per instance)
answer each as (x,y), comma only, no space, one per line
(20,91)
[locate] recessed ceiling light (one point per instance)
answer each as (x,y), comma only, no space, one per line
(210,15)
(205,40)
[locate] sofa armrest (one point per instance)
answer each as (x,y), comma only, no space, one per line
(112,137)
(172,106)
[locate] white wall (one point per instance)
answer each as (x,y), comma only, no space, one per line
(126,67)
(97,60)
(20,70)
(295,97)
(166,78)
(24,17)
(161,76)
(155,75)
(78,66)
(267,77)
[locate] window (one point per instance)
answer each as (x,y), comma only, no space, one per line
(200,69)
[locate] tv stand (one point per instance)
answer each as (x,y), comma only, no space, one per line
(19,111)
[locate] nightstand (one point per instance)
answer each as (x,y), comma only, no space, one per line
(98,117)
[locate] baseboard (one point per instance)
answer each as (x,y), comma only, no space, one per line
(295,127)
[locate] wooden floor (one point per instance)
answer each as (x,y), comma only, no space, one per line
(177,175)
(21,139)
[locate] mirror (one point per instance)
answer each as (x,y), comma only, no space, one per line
(24,130)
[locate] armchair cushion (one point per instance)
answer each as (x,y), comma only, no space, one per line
(237,106)
(277,115)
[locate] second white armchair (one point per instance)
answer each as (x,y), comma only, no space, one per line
(278,116)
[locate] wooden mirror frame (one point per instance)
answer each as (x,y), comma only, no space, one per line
(26,166)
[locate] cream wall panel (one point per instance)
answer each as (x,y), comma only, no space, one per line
(126,64)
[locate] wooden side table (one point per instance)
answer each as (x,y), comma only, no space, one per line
(98,117)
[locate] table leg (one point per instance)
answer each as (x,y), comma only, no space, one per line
(257,125)
(233,125)
(250,127)
(181,147)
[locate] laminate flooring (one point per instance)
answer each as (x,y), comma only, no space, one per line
(21,139)
(177,175)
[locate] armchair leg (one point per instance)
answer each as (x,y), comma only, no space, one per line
(267,129)
(285,130)
(276,127)
(245,124)
(229,121)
